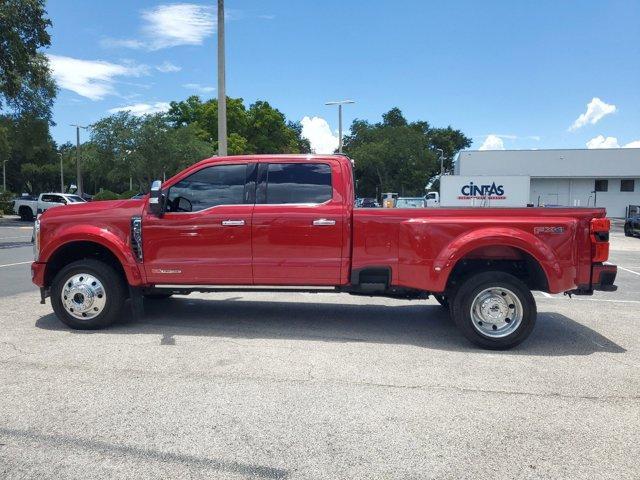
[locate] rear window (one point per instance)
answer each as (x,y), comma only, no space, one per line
(75,198)
(299,183)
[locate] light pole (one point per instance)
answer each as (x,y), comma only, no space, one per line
(340,103)
(61,174)
(222,94)
(78,169)
(441,160)
(4,175)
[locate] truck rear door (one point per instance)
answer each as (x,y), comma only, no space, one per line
(297,224)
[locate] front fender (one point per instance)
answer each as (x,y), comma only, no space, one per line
(112,241)
(496,236)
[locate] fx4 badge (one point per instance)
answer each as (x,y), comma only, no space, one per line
(162,270)
(553,230)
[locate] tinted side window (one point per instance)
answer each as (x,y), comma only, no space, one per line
(52,199)
(206,188)
(299,183)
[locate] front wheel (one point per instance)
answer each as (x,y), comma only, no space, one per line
(494,310)
(88,295)
(627,231)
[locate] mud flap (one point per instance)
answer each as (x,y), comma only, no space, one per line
(137,302)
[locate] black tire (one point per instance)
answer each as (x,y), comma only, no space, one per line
(157,296)
(26,214)
(114,290)
(474,286)
(627,231)
(442,300)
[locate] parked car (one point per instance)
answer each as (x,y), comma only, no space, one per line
(410,202)
(28,207)
(632,225)
(367,203)
(269,222)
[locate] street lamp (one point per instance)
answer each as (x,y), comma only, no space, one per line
(4,175)
(340,103)
(222,94)
(61,174)
(78,169)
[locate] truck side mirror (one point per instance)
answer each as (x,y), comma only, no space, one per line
(156,199)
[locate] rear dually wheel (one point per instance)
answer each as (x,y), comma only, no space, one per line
(494,310)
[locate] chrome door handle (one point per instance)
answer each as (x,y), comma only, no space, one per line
(233,223)
(323,222)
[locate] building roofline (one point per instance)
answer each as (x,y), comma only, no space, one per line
(553,150)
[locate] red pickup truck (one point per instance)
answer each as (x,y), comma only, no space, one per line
(271,222)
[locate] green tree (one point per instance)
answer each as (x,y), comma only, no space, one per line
(399,156)
(30,153)
(26,85)
(258,129)
(142,148)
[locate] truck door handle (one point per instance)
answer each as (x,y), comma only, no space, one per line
(323,222)
(233,223)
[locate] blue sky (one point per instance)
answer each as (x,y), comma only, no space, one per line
(510,74)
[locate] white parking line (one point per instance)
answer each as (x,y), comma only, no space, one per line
(627,270)
(13,264)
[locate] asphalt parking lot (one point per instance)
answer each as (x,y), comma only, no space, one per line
(296,386)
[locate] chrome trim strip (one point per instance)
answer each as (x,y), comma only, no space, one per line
(243,287)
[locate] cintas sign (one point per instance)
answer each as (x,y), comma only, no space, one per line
(492,191)
(484,191)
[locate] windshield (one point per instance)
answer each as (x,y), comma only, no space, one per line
(75,199)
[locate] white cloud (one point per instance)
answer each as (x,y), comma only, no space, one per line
(139,109)
(170,26)
(267,17)
(199,88)
(610,142)
(492,142)
(92,79)
(596,110)
(318,132)
(178,24)
(168,67)
(601,142)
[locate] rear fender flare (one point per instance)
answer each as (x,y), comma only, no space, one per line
(459,247)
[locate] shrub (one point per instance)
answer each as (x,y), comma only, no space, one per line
(128,194)
(106,195)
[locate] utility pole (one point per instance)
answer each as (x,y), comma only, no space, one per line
(4,175)
(61,174)
(222,94)
(441,160)
(78,168)
(339,103)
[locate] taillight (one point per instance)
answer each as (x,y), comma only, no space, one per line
(600,239)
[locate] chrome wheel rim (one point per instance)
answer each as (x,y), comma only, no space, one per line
(496,312)
(83,296)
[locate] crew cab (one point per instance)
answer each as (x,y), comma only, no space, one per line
(29,208)
(288,222)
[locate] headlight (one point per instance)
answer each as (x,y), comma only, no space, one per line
(36,240)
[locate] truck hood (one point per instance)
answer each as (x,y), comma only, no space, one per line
(98,210)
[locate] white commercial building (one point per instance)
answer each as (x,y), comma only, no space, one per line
(608,178)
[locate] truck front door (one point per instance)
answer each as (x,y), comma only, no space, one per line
(204,238)
(297,224)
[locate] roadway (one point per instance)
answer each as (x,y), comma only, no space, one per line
(307,386)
